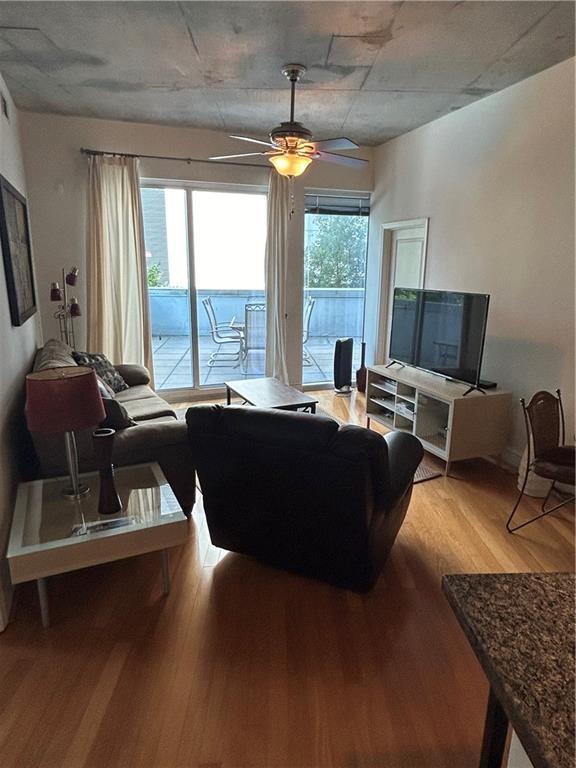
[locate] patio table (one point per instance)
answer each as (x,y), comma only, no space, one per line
(240,325)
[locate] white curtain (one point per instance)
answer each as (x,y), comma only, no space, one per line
(276,273)
(118,317)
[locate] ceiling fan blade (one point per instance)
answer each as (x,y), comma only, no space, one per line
(342,143)
(351,162)
(255,141)
(230,157)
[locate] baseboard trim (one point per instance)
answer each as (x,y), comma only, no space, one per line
(508,460)
(511,457)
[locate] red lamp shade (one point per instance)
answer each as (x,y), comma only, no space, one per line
(72,276)
(75,310)
(63,400)
(55,292)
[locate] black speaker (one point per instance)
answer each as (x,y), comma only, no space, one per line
(343,366)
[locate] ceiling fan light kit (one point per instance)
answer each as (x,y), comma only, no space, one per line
(292,148)
(290,164)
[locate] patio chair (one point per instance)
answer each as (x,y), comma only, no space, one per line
(307,358)
(544,421)
(254,332)
(222,335)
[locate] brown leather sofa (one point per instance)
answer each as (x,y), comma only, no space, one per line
(156,436)
(299,492)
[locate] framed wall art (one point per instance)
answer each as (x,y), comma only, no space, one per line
(16,253)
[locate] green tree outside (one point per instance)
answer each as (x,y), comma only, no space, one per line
(335,256)
(154,276)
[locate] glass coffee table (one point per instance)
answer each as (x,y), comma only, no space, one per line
(52,534)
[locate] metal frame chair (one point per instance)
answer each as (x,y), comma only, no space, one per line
(222,334)
(307,358)
(545,431)
(254,331)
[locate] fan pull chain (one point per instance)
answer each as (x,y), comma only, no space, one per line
(291,190)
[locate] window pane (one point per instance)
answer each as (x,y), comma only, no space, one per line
(229,244)
(408,263)
(165,235)
(334,277)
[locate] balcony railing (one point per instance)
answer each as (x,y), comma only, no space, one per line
(337,312)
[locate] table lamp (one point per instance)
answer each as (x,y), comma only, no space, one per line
(64,400)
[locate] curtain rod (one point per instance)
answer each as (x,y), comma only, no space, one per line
(84,151)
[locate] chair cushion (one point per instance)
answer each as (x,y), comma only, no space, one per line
(552,471)
(144,442)
(557,464)
(139,392)
(103,368)
(160,420)
(148,408)
(564,455)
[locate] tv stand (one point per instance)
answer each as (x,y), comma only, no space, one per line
(474,388)
(395,362)
(449,423)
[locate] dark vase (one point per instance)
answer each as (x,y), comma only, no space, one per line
(103,441)
(361,372)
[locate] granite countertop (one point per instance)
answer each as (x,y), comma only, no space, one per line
(521,627)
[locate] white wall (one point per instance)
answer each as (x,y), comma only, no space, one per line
(517,757)
(57,176)
(17,347)
(497,181)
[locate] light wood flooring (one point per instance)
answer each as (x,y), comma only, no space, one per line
(242,666)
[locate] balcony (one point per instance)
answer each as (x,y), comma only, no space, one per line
(337,312)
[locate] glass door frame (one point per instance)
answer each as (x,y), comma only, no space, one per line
(328,192)
(197,391)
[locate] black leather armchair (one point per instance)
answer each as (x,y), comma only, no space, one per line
(299,492)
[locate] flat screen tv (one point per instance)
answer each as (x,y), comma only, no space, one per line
(440,331)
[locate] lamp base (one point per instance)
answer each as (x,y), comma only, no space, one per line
(73,495)
(76,490)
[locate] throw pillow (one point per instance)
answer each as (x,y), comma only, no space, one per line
(116,415)
(54,354)
(104,369)
(105,390)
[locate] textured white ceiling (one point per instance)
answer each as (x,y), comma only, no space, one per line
(375,69)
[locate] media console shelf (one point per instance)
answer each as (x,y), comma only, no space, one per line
(449,424)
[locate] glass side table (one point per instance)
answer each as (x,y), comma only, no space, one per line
(52,534)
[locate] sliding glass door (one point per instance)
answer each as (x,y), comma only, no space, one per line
(335,244)
(167,258)
(205,262)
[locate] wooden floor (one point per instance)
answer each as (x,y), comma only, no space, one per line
(245,666)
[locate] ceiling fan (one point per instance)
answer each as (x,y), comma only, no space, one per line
(292,148)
